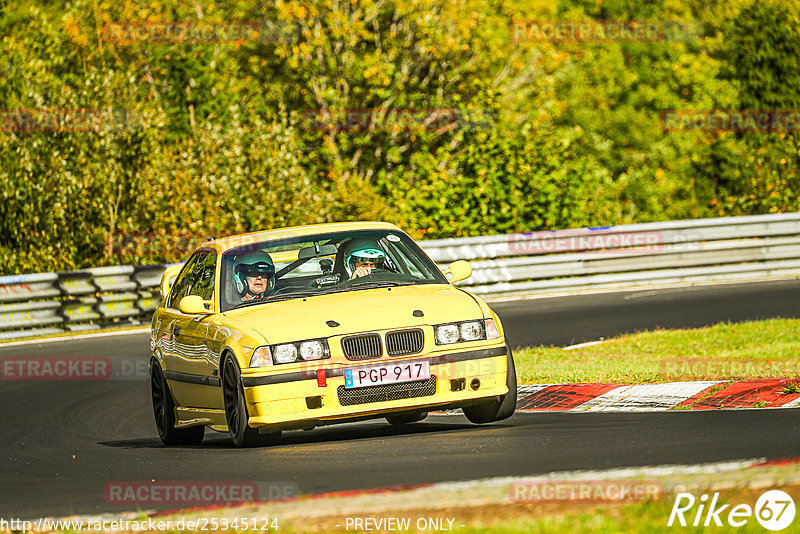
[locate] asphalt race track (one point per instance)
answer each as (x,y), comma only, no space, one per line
(567,320)
(63,441)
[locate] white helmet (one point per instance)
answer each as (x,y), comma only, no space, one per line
(253,264)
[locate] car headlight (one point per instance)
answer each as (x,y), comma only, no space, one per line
(473,330)
(309,350)
(312,350)
(286,353)
(262,357)
(446,334)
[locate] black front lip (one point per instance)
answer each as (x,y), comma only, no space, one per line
(296,376)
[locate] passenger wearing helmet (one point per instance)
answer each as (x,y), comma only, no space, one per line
(362,256)
(254,275)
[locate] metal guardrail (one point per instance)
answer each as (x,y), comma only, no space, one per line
(701,250)
(50,303)
(732,248)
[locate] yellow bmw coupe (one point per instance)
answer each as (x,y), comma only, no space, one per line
(314,325)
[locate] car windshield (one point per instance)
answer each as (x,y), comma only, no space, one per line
(323,263)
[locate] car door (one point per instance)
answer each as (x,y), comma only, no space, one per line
(188,364)
(168,317)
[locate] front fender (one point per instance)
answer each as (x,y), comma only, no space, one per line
(241,341)
(488,313)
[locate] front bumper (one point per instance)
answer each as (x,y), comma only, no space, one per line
(297,396)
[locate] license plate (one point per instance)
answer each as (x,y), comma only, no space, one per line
(376,375)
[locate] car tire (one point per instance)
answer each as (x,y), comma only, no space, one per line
(164,413)
(498,408)
(406,418)
(242,434)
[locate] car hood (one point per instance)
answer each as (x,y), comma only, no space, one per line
(357,311)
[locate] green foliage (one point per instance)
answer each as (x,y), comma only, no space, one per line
(207,138)
(763,41)
(753,172)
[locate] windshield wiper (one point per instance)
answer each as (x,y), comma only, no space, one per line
(326,291)
(276,298)
(371,285)
(253,302)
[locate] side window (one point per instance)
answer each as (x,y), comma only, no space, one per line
(401,254)
(202,283)
(410,267)
(184,279)
(389,262)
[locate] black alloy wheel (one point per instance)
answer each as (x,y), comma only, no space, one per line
(242,434)
(501,407)
(164,412)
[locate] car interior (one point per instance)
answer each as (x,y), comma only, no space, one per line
(320,265)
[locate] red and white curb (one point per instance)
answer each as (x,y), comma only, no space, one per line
(647,397)
(705,395)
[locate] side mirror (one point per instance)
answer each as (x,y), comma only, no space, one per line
(194,305)
(458,270)
(168,278)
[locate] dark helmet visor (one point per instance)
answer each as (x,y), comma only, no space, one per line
(262,268)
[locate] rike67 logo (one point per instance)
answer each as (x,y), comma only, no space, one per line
(774,510)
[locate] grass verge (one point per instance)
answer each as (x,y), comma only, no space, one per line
(741,351)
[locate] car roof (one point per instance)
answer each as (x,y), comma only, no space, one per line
(234,241)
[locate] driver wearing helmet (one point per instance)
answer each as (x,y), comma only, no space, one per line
(362,256)
(254,275)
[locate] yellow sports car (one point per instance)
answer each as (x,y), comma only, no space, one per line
(299,327)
